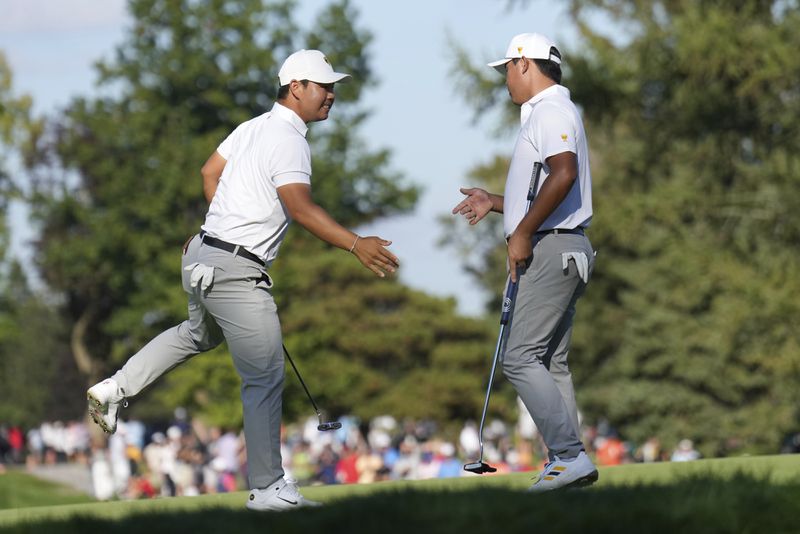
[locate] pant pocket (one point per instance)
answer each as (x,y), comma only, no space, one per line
(264,282)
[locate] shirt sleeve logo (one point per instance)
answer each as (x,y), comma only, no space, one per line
(564,137)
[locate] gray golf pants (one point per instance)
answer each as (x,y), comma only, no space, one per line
(535,359)
(239,309)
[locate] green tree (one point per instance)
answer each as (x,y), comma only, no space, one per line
(688,327)
(700,126)
(14,112)
(35,375)
(31,341)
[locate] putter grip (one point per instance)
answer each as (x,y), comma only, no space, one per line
(511,288)
(508,302)
(537,168)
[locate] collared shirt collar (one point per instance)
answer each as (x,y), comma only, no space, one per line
(293,118)
(527,107)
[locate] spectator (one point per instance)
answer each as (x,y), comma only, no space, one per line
(791,444)
(326,469)
(449,465)
(408,461)
(685,452)
(368,464)
(651,450)
(227,447)
(346,472)
(35,447)
(610,450)
(5,446)
(469,440)
(139,487)
(16,440)
(102,477)
(117,458)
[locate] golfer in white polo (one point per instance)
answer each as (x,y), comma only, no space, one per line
(548,251)
(257,181)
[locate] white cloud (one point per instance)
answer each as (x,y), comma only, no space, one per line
(24,16)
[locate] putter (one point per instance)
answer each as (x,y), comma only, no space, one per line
(323,426)
(480,467)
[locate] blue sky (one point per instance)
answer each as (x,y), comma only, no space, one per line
(51,46)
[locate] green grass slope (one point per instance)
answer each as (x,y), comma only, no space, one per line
(753,494)
(18,490)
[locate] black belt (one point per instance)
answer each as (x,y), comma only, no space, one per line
(556,231)
(236,250)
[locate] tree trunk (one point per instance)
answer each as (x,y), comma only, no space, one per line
(83,358)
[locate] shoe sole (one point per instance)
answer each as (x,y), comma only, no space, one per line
(280,508)
(584,482)
(276,508)
(268,509)
(95,410)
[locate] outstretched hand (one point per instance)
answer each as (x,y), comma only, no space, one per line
(475,206)
(372,254)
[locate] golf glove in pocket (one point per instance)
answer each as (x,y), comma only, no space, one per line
(581,263)
(201,274)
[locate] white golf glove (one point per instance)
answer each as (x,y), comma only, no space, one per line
(202,274)
(581,263)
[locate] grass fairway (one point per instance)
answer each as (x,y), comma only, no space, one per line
(754,494)
(18,490)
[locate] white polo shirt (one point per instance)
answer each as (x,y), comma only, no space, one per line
(551,125)
(261,155)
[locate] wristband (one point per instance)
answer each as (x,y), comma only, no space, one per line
(354,244)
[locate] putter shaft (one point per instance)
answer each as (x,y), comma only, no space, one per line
(323,426)
(510,296)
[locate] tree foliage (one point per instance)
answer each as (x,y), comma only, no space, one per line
(15,120)
(689,325)
(31,342)
(37,382)
(700,129)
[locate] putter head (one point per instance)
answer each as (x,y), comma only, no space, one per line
(333,425)
(479,468)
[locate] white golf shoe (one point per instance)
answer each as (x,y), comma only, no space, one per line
(574,473)
(104,401)
(282,495)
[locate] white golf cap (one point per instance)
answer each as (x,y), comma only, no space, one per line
(530,45)
(311,65)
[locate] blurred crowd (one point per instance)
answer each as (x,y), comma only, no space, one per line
(50,443)
(186,457)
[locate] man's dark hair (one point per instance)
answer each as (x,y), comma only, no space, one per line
(551,69)
(283,90)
